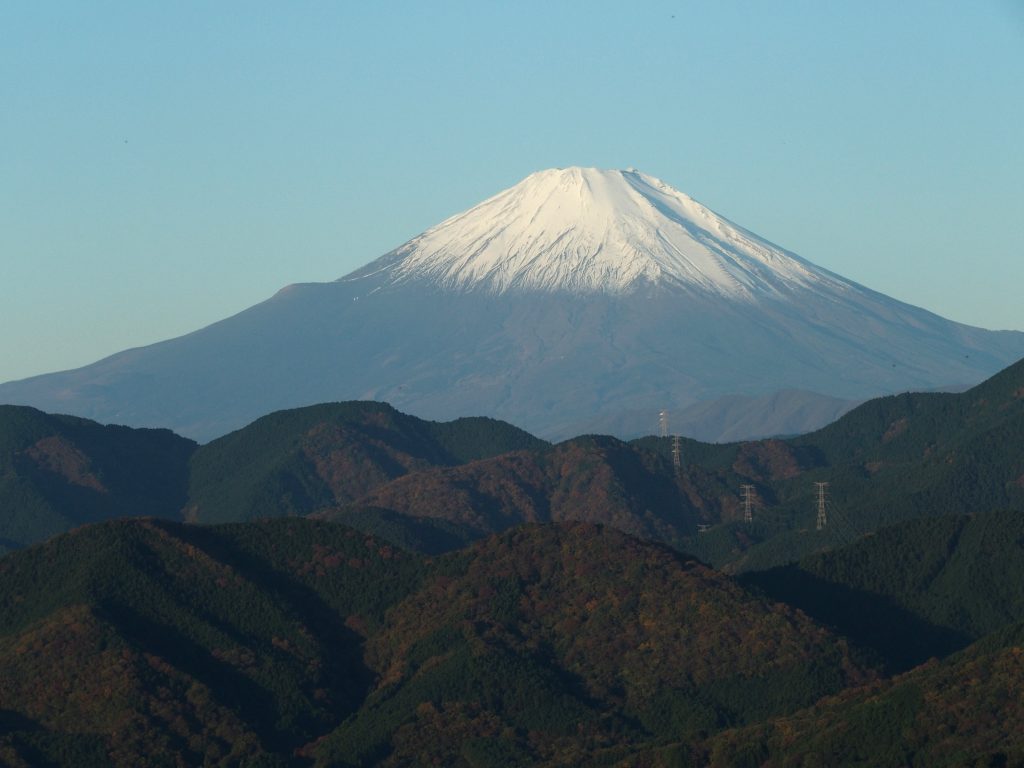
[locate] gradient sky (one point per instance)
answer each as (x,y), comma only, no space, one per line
(165,165)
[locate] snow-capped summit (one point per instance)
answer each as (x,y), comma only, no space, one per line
(585,230)
(578,300)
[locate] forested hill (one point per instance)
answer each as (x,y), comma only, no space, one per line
(915,590)
(964,711)
(893,459)
(436,486)
(889,460)
(295,642)
(298,461)
(57,472)
(903,426)
(593,479)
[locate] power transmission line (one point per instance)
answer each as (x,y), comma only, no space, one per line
(829,516)
(822,496)
(748,503)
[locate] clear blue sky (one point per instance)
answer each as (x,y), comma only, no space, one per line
(166,164)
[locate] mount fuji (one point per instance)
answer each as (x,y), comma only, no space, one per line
(577,300)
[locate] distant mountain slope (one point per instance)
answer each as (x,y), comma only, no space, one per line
(57,472)
(731,418)
(966,710)
(143,642)
(299,461)
(576,299)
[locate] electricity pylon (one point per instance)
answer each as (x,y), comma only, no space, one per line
(822,495)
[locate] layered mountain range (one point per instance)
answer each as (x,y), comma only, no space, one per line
(434,486)
(578,300)
(293,642)
(534,633)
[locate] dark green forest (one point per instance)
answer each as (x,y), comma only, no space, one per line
(348,585)
(311,643)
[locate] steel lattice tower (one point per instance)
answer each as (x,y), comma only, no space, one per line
(822,496)
(748,503)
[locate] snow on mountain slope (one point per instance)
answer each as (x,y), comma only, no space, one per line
(585,230)
(576,300)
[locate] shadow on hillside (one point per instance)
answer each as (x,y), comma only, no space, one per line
(24,739)
(15,721)
(424,535)
(342,672)
(901,639)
